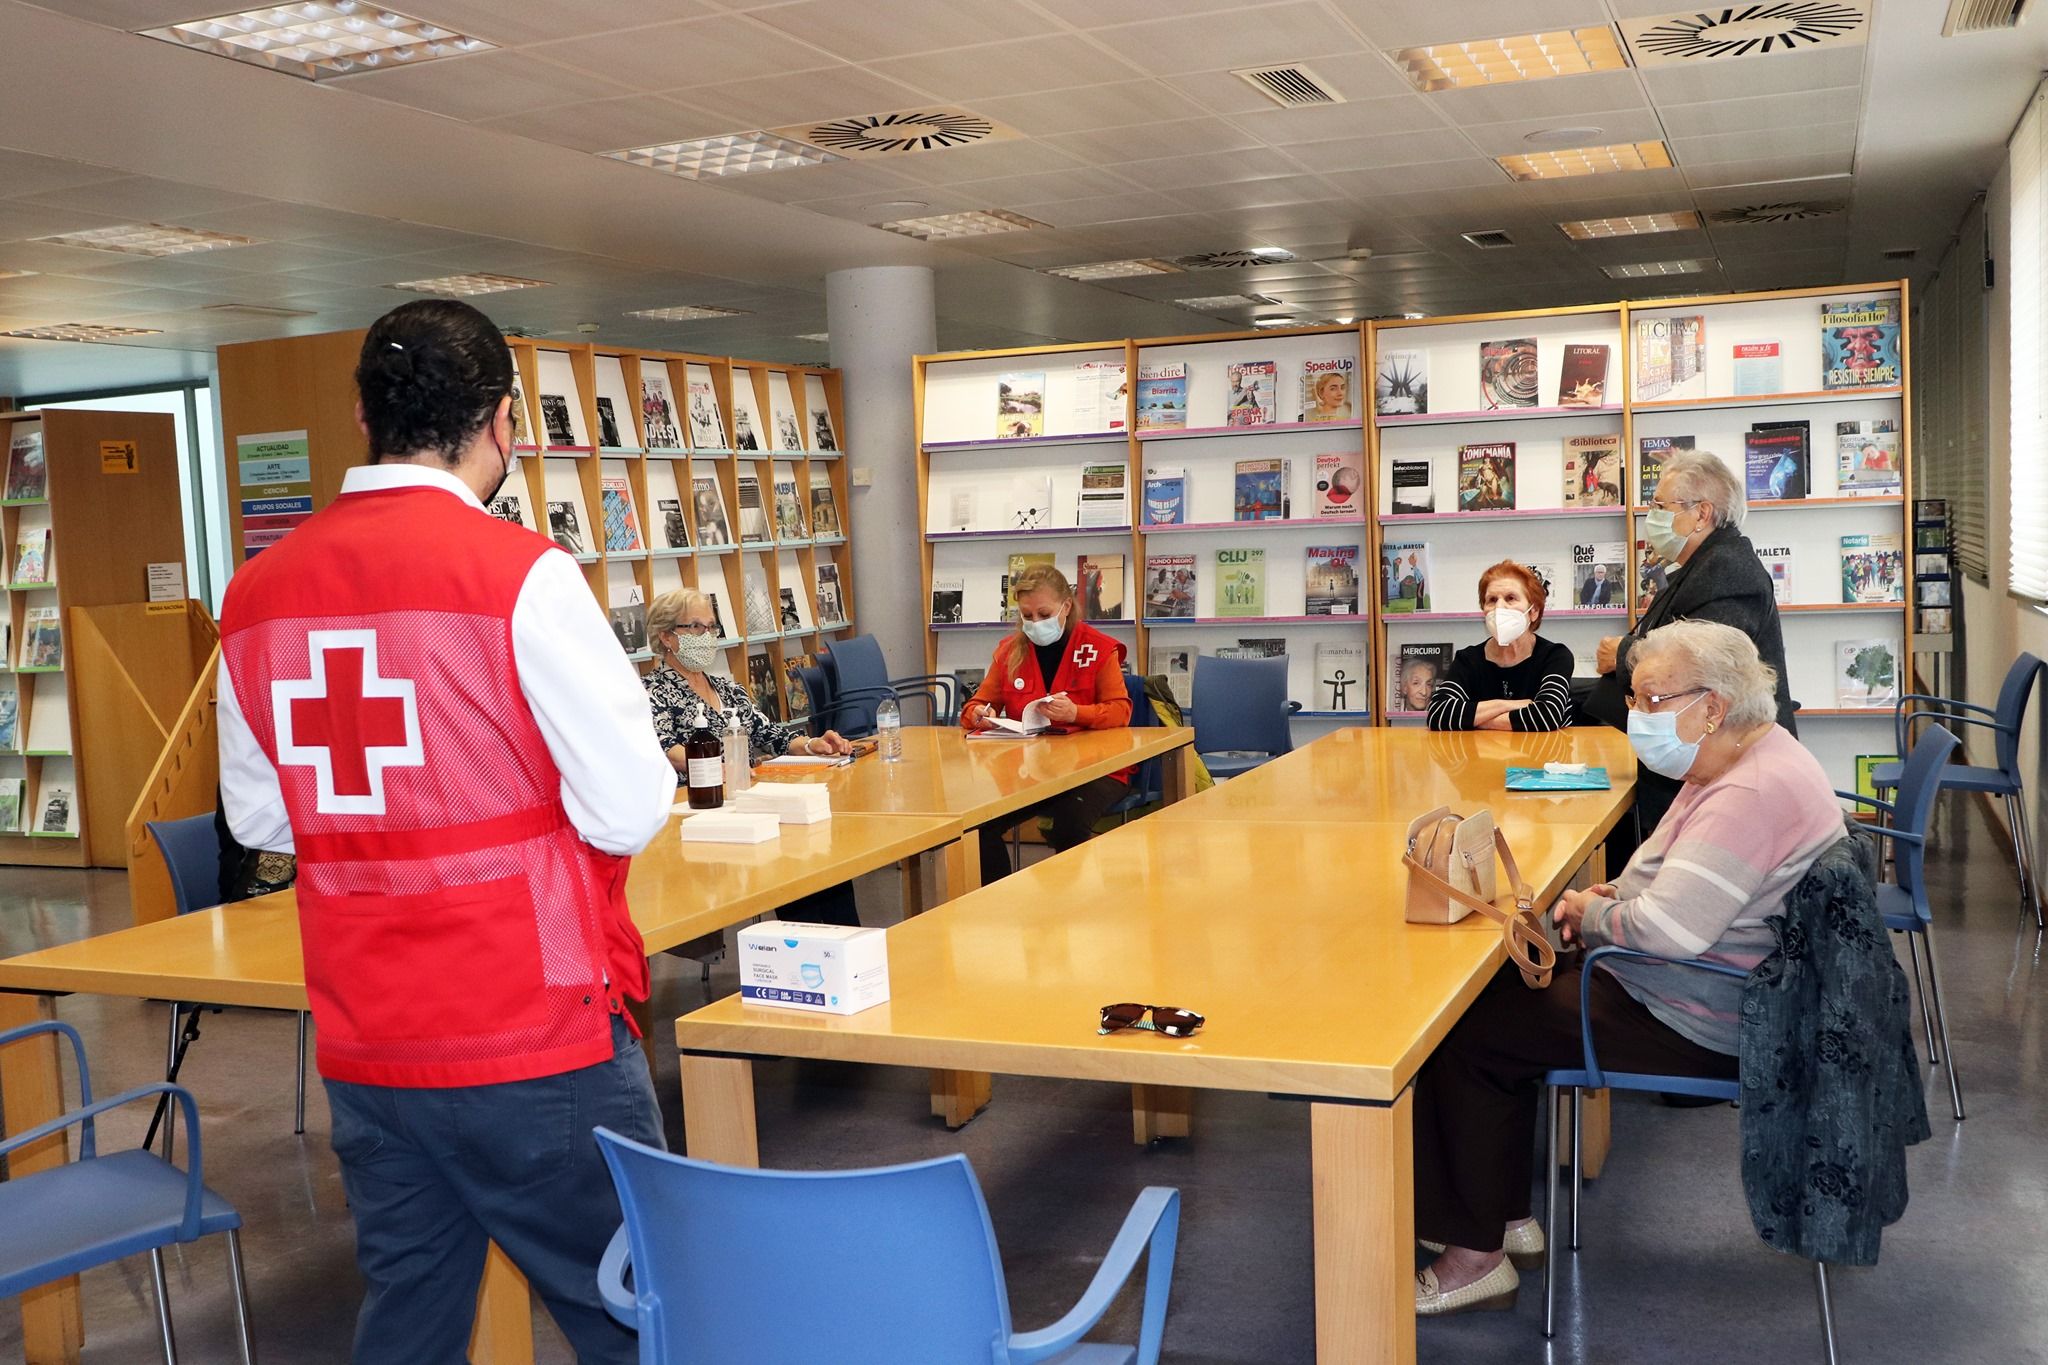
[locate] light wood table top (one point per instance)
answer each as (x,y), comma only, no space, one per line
(942,772)
(248,953)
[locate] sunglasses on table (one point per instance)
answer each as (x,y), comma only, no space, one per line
(1166,1019)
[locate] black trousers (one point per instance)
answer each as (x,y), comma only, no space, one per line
(1074,815)
(833,905)
(1479,1097)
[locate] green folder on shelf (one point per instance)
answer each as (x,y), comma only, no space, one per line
(1541,780)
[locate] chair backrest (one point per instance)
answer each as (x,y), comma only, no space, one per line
(856,665)
(1149,782)
(1919,783)
(1241,704)
(191,849)
(818,687)
(878,1266)
(2013,696)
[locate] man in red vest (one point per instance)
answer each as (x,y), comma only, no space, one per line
(428,706)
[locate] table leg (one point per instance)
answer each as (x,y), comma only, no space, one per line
(1596,1131)
(1177,778)
(963,865)
(718,1110)
(958,1096)
(1363,1162)
(1159,1111)
(32,1092)
(503,1334)
(913,871)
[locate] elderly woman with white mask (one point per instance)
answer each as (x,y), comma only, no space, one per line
(1515,679)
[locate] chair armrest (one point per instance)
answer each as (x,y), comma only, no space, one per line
(194,1182)
(1891,833)
(1885,806)
(1154,1221)
(1939,703)
(15,1035)
(619,1301)
(1902,723)
(1592,1068)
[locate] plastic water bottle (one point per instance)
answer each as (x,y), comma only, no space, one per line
(889,729)
(739,772)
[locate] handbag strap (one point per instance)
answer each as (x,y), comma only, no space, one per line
(1520,932)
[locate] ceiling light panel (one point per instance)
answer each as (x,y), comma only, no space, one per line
(81,331)
(1632,225)
(319,41)
(686,313)
(1216,303)
(468,286)
(706,158)
(1114,270)
(1642,270)
(1570,161)
(820,337)
(1528,57)
(973,223)
(148,239)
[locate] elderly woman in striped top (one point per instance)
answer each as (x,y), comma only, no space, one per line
(1516,679)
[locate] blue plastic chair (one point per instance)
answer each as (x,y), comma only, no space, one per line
(1903,902)
(718,1264)
(1148,784)
(1240,713)
(1590,1076)
(191,849)
(97,1209)
(858,679)
(2003,781)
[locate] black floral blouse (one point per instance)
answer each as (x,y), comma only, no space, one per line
(675,705)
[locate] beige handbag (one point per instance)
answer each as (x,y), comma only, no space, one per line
(1449,858)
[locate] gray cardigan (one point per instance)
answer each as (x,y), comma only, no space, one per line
(1723,581)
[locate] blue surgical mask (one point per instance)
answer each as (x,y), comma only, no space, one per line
(1654,736)
(1046,631)
(1662,535)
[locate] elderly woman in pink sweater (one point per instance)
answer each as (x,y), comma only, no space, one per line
(1755,811)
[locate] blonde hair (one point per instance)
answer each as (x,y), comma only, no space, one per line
(672,606)
(1032,578)
(1719,658)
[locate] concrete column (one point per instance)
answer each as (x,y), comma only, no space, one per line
(879,317)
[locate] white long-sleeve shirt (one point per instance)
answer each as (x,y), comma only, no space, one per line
(617,784)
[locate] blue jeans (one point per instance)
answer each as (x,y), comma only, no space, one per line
(433,1175)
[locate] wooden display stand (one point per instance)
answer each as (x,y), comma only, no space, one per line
(111,507)
(184,779)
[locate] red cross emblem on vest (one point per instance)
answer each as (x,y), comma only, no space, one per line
(1084,655)
(346,723)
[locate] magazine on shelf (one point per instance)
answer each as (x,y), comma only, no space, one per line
(1163,397)
(1176,664)
(1486,476)
(789,505)
(1935,592)
(1340,676)
(1599,574)
(675,526)
(608,434)
(1413,671)
(1859,344)
(744,434)
(831,602)
(789,611)
(1932,565)
(1020,405)
(522,430)
(1547,574)
(1867,456)
(1652,572)
(949,601)
(824,436)
(42,638)
(1404,578)
(621,519)
(1330,581)
(718,596)
(1929,538)
(1507,373)
(32,555)
(1874,569)
(756,601)
(753,512)
(10,718)
(1414,488)
(1099,393)
(11,790)
(1104,501)
(1650,453)
(1268,648)
(789,428)
(1758,367)
(795,696)
(565,527)
(1326,389)
(1670,358)
(554,413)
(1930,510)
(59,809)
(1340,486)
(1775,461)
(1592,470)
(1017,564)
(761,685)
(1582,382)
(1936,621)
(1030,502)
(1099,587)
(1261,492)
(1170,586)
(1777,562)
(1866,673)
(824,507)
(1241,582)
(969,680)
(708,507)
(707,424)
(629,621)
(1401,386)
(1254,394)
(27,474)
(963,509)
(1166,497)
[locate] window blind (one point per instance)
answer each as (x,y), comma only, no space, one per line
(2029,451)
(1952,393)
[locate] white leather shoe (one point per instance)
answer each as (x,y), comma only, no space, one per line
(1492,1292)
(1523,1244)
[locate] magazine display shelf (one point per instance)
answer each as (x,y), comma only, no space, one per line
(304,383)
(87,724)
(964,476)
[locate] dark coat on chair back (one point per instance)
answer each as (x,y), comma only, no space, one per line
(1831,1093)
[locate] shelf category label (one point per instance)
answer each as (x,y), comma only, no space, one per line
(276,478)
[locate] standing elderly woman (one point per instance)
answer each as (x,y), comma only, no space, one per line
(1712,574)
(1754,811)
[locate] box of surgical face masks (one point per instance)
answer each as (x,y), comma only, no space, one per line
(828,968)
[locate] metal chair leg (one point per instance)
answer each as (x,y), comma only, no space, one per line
(170,1061)
(1550,1216)
(240,1281)
(1955,1089)
(1827,1310)
(1578,1170)
(299,1114)
(163,1305)
(2023,854)
(1920,992)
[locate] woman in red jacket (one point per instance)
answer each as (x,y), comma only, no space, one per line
(1079,670)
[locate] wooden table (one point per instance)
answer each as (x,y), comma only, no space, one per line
(248,954)
(1268,908)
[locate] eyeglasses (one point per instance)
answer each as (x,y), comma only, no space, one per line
(1674,504)
(696,627)
(1174,1023)
(1652,700)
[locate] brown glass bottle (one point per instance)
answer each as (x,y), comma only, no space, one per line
(704,755)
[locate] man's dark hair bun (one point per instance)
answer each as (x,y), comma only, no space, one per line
(431,374)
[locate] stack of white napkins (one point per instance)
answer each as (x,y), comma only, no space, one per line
(793,803)
(729,826)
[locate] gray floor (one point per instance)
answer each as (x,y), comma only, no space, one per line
(1670,1272)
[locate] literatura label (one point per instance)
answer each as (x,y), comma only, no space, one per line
(707,772)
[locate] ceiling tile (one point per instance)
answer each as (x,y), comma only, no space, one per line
(616,124)
(1765,169)
(1762,112)
(778,101)
(863,208)
(1613,125)
(822,182)
(25,173)
(1096,210)
(1821,189)
(1413,23)
(1369,184)
(143,199)
(509,24)
(1571,98)
(37,289)
(1089,108)
(22,219)
(282,222)
(981,161)
(1022,66)
(1298,193)
(1177,172)
(1400,149)
(667,57)
(1792,140)
(1327,122)
(480,86)
(1111,146)
(132,14)
(1302,32)
(1781,74)
(858,33)
(1539,193)
(1046,189)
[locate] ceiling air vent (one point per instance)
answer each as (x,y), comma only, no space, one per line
(1976,16)
(256,310)
(1766,30)
(1493,239)
(1783,212)
(899,134)
(1902,253)
(1234,260)
(1292,87)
